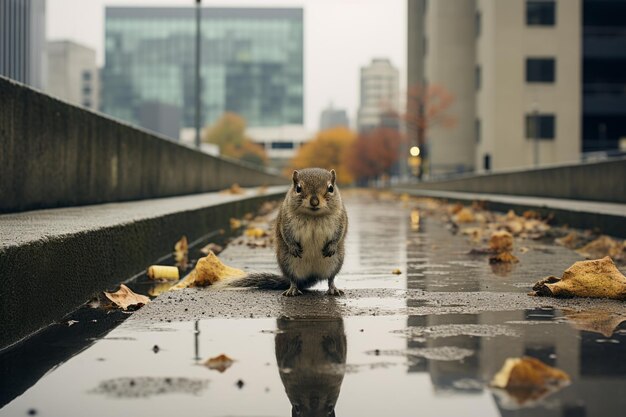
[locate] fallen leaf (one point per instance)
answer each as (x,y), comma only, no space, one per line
(219,363)
(126,299)
(604,246)
(596,320)
(503,258)
(415,219)
(465,215)
(163,273)
(235,223)
(396,271)
(598,278)
(209,270)
(570,241)
(181,252)
(523,249)
(527,380)
(475,233)
(262,190)
(234,189)
(501,241)
(212,247)
(256,232)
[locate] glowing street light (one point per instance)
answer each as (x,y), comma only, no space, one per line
(414,151)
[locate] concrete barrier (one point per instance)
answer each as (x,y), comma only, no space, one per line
(595,181)
(52,261)
(53,154)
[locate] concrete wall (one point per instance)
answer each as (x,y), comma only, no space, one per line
(53,154)
(598,181)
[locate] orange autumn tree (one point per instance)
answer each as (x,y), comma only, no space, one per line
(427,107)
(374,154)
(229,134)
(327,151)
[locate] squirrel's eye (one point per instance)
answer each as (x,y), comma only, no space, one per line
(331,188)
(298,189)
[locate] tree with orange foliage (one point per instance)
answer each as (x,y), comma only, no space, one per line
(229,134)
(374,154)
(427,107)
(327,150)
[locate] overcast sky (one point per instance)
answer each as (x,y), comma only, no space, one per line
(340,36)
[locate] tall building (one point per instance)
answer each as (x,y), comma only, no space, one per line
(332,117)
(281,143)
(515,70)
(604,74)
(379,93)
(251,63)
(73,74)
(23,41)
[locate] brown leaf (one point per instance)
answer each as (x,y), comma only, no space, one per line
(396,271)
(212,247)
(209,270)
(604,246)
(235,223)
(570,241)
(527,380)
(126,299)
(234,189)
(219,363)
(501,241)
(599,278)
(181,253)
(503,258)
(596,320)
(465,215)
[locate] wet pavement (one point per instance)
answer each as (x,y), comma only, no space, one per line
(425,342)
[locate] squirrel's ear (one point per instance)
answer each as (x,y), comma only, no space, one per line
(295,177)
(333,176)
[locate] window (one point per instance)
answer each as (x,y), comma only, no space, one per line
(282,145)
(86,90)
(477,77)
(540,13)
(477,130)
(540,70)
(87,103)
(487,162)
(540,126)
(478,24)
(86,75)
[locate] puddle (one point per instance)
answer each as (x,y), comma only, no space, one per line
(349,364)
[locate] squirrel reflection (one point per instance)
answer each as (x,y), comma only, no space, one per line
(311,356)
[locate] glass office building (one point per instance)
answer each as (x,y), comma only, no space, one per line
(252,63)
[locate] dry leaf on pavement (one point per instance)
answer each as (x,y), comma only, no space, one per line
(396,271)
(212,247)
(181,253)
(604,246)
(234,189)
(465,215)
(599,278)
(219,363)
(126,299)
(209,270)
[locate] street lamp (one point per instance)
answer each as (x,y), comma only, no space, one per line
(198,86)
(415,151)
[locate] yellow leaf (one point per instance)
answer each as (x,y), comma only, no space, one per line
(126,299)
(181,253)
(219,363)
(163,273)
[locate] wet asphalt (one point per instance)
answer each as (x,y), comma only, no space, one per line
(423,342)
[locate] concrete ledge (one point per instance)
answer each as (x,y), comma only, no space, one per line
(609,218)
(53,154)
(596,181)
(52,261)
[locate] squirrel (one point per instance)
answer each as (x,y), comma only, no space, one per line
(310,231)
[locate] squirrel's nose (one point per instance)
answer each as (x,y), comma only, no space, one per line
(315,201)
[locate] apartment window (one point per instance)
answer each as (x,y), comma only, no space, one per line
(540,70)
(478,23)
(86,75)
(540,13)
(487,162)
(477,77)
(282,145)
(86,90)
(540,126)
(87,103)
(477,130)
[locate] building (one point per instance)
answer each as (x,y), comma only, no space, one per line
(23,41)
(161,118)
(604,75)
(515,72)
(73,74)
(280,142)
(332,117)
(251,63)
(379,93)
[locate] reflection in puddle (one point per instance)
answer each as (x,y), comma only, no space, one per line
(147,387)
(311,357)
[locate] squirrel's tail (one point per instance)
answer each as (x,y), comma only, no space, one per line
(261,280)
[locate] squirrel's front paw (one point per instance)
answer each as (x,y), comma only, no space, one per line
(292,291)
(329,250)
(295,250)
